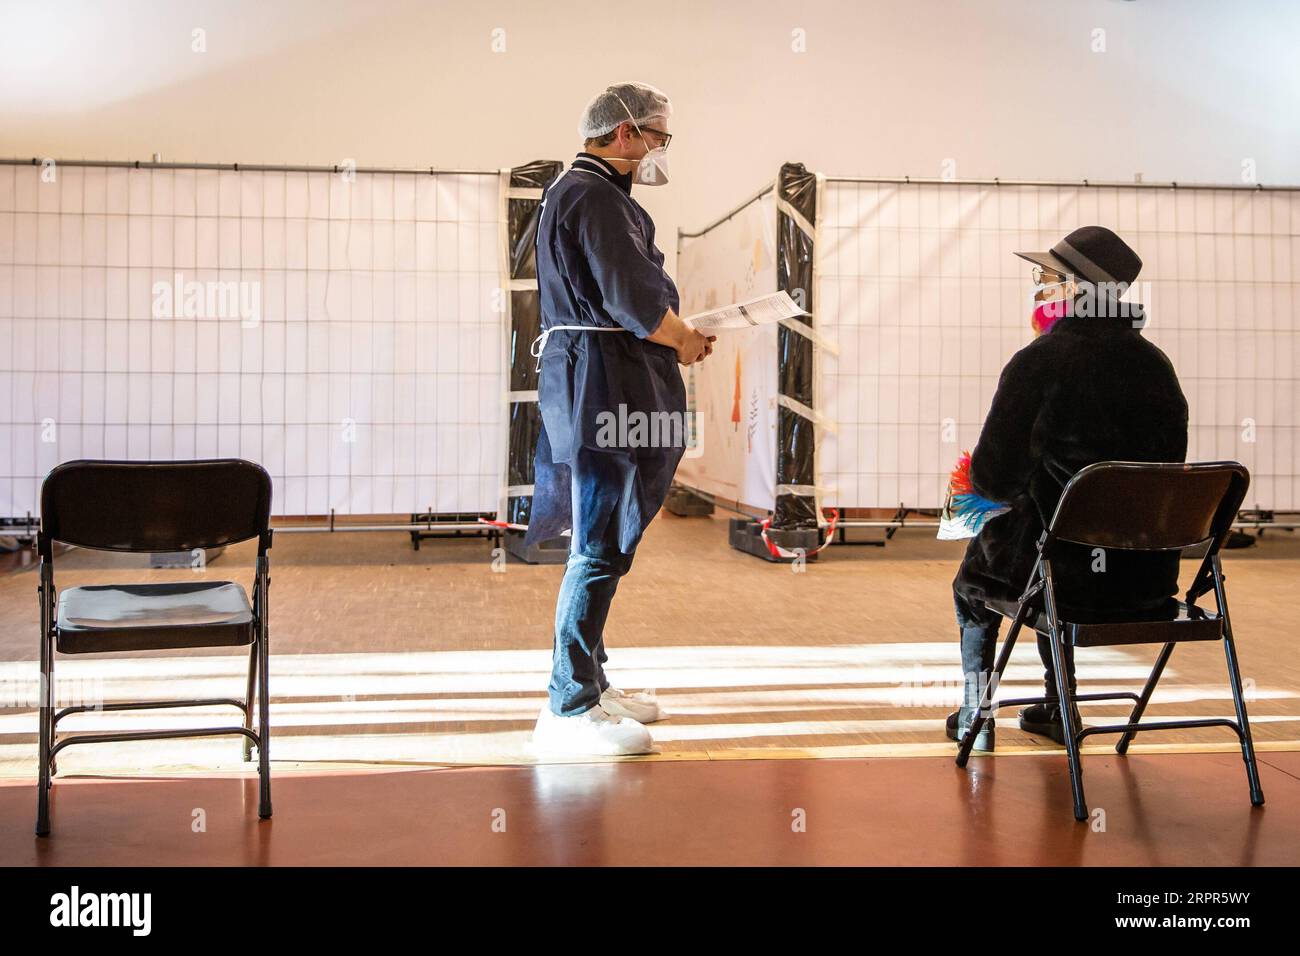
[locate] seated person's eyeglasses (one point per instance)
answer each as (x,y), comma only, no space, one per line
(1041,276)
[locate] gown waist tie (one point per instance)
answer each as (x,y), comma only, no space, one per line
(539,343)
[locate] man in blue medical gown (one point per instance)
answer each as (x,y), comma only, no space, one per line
(612,402)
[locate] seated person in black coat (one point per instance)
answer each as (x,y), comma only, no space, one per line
(1090,388)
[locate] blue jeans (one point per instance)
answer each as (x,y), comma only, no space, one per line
(577,663)
(979,637)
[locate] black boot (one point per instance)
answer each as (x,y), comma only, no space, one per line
(978,645)
(1045,719)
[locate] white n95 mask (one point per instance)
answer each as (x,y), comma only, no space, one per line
(652,170)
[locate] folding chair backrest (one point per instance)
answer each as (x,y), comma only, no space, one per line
(155,505)
(1150,507)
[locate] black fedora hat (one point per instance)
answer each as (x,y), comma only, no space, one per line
(1092,253)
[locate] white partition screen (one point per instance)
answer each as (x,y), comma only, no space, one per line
(732,396)
(341,328)
(919,287)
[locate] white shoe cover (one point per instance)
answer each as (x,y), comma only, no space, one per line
(594,733)
(643,708)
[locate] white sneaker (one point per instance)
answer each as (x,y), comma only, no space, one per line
(595,732)
(643,708)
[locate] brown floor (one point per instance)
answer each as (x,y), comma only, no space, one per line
(380,652)
(1165,810)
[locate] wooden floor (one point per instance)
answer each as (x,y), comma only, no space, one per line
(384,654)
(1165,810)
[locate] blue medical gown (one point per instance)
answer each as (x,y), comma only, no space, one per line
(597,265)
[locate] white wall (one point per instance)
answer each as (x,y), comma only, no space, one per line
(1187,89)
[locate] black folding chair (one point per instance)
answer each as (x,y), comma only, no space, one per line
(1132,506)
(140,506)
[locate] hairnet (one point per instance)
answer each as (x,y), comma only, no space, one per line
(605,112)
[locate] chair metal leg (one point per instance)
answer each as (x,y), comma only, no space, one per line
(249,698)
(264,724)
(1161,660)
(1064,696)
(45,724)
(1239,701)
(1247,744)
(54,760)
(986,697)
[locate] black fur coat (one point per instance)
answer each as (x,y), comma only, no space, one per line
(1089,390)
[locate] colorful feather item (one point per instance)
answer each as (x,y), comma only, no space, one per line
(965,512)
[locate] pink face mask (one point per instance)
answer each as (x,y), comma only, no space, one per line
(1046,313)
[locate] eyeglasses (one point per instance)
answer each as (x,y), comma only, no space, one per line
(667,137)
(1039,275)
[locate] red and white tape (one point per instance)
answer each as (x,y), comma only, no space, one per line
(779,552)
(505,525)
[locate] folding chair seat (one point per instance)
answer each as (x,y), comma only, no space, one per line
(137,506)
(153,617)
(1131,506)
(1174,621)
